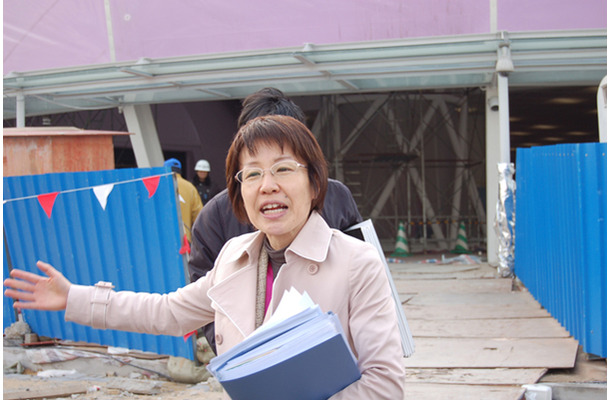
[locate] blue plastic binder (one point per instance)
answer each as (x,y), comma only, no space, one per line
(306,356)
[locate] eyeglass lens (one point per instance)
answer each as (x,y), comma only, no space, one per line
(280,169)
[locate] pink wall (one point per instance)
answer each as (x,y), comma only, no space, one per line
(49,34)
(217,25)
(538,15)
(60,33)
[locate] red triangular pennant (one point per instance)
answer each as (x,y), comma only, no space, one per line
(188,335)
(151,183)
(186,248)
(47,201)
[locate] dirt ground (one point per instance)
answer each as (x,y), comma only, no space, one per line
(100,377)
(18,387)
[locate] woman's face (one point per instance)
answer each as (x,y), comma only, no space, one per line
(278,206)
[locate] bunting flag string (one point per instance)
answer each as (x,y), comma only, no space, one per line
(101,192)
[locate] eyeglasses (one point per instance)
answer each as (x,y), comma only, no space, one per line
(280,170)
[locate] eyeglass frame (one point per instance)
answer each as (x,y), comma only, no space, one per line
(263,170)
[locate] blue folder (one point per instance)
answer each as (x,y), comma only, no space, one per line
(304,357)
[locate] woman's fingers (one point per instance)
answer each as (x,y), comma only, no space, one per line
(19,295)
(36,291)
(26,276)
(34,278)
(19,284)
(26,304)
(48,269)
(19,287)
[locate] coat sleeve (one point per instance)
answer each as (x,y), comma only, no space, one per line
(373,326)
(175,314)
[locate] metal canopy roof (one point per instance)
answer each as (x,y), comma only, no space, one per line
(540,59)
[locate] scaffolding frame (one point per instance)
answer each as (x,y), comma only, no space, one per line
(420,166)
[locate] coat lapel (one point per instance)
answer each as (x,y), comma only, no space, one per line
(234,294)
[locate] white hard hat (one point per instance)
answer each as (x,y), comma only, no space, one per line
(202,165)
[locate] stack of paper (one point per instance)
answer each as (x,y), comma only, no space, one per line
(300,353)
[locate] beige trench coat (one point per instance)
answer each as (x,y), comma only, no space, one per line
(340,273)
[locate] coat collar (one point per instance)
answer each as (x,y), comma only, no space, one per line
(311,243)
(234,293)
(313,240)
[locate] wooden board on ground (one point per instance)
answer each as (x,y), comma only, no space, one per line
(492,299)
(103,349)
(50,391)
(493,353)
(545,327)
(472,311)
(446,272)
(414,269)
(464,275)
(453,285)
(432,391)
(478,376)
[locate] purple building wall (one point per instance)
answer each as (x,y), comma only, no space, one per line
(542,15)
(57,34)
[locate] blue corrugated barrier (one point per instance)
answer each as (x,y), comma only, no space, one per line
(127,233)
(561,236)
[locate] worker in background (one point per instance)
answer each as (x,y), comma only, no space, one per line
(203,182)
(190,202)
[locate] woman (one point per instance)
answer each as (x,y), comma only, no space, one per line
(276,178)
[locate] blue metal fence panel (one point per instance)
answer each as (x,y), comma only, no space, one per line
(561,236)
(8,314)
(134,242)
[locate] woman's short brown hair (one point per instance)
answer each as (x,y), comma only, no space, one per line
(286,132)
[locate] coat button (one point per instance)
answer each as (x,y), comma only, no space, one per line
(312,269)
(218,338)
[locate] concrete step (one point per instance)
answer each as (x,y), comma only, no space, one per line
(578,391)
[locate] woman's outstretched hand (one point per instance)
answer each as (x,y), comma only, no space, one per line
(38,292)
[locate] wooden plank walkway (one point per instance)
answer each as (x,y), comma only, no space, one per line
(477,336)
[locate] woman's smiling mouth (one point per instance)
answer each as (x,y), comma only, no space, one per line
(273,208)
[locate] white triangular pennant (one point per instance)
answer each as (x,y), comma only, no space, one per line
(102,192)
